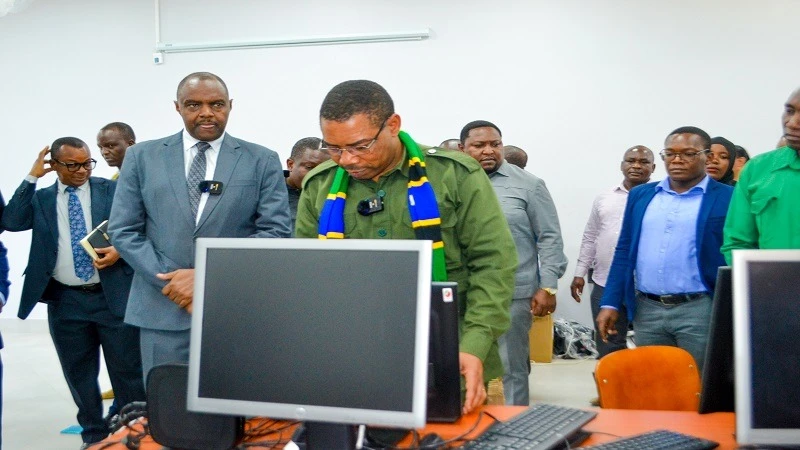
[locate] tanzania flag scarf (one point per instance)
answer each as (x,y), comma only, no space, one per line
(422,206)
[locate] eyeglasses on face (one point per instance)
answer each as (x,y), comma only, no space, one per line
(355,150)
(74,167)
(669,155)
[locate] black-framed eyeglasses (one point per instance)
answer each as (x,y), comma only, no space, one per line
(74,167)
(668,155)
(355,150)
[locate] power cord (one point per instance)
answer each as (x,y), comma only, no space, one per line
(129,413)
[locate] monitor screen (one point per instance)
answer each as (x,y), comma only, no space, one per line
(717,393)
(313,330)
(766,326)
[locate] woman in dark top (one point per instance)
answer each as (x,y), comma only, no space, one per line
(719,162)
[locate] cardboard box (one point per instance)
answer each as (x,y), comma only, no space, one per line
(541,339)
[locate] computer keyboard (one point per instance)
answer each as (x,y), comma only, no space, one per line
(540,427)
(658,440)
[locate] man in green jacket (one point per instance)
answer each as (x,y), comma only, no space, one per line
(765,208)
(380,182)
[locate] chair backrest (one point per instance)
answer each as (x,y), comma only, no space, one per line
(651,377)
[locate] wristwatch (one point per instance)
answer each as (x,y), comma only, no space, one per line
(551,291)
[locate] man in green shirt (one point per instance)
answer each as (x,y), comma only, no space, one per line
(765,208)
(362,133)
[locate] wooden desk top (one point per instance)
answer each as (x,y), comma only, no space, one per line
(717,427)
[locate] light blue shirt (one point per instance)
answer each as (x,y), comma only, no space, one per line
(666,262)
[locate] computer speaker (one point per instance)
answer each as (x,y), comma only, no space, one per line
(172,425)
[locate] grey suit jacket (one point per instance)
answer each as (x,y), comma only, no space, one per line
(30,209)
(533,220)
(152,226)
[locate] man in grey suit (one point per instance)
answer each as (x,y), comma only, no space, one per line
(200,182)
(532,217)
(85,301)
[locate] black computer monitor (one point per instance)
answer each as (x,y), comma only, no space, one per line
(717,394)
(331,332)
(766,318)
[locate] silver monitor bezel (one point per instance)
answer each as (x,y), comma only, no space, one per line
(415,418)
(745,432)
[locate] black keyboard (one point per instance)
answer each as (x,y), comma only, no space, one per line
(540,427)
(658,440)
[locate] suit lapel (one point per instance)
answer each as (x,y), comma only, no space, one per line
(176,172)
(647,197)
(48,203)
(705,210)
(99,196)
(229,154)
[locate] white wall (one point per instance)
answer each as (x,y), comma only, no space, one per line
(574,82)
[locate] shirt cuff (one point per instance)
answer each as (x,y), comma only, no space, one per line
(548,281)
(609,307)
(31,179)
(581,271)
(2,299)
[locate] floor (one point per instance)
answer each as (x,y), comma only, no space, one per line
(37,404)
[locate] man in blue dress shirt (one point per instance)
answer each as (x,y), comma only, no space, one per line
(665,265)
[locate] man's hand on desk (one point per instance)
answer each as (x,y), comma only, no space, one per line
(472,369)
(180,287)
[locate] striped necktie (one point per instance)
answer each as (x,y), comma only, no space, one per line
(197,173)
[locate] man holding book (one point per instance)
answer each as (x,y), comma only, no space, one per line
(85,299)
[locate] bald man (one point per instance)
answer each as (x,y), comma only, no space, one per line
(515,156)
(601,234)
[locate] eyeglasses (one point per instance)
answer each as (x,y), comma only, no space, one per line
(74,167)
(355,150)
(668,155)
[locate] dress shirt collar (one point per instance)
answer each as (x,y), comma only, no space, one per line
(503,170)
(702,186)
(189,142)
(787,157)
(62,187)
(620,187)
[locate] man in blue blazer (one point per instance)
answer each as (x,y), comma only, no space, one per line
(85,300)
(665,264)
(200,182)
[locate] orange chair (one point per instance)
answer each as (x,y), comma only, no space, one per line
(652,377)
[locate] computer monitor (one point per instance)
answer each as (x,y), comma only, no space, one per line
(717,393)
(766,314)
(330,332)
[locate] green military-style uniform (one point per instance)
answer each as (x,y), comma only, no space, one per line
(479,250)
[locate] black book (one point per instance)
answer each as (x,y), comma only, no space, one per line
(97,238)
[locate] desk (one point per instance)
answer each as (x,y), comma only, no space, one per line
(717,427)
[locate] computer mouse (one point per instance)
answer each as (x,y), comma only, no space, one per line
(431,441)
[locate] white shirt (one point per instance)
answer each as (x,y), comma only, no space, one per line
(64,272)
(601,234)
(189,152)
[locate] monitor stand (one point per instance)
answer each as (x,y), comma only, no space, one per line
(330,436)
